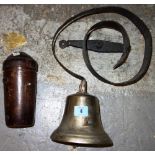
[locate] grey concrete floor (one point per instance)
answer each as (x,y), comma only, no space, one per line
(128,113)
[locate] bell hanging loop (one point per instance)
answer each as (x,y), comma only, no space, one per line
(83,86)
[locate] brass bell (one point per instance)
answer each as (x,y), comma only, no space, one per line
(81,124)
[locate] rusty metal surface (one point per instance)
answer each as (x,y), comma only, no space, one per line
(128,113)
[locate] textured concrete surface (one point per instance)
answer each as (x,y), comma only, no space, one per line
(128,113)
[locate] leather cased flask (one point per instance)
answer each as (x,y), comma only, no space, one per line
(20,88)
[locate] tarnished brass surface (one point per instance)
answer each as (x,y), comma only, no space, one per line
(82,130)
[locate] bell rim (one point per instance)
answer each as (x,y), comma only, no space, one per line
(84,143)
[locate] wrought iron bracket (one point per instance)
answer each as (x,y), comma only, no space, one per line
(99,46)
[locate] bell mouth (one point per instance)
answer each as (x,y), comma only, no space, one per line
(101,140)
